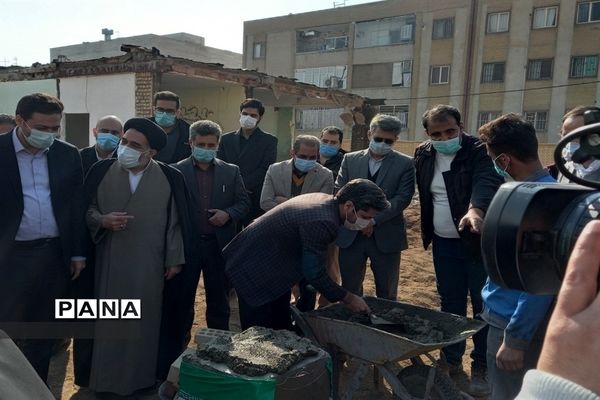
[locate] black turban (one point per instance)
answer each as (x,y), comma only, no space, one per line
(157,138)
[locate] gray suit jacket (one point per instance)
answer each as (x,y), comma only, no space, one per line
(396,178)
(228,194)
(278,182)
(18,379)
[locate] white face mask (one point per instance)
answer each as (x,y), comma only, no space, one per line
(359,224)
(582,171)
(248,122)
(128,157)
(569,149)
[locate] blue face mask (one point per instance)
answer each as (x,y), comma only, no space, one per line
(379,148)
(163,118)
(39,139)
(499,170)
(447,147)
(203,155)
(107,141)
(304,165)
(328,150)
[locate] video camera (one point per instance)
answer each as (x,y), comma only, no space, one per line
(530,228)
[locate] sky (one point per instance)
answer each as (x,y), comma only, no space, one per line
(31,27)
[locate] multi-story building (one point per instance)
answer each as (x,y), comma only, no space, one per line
(486,57)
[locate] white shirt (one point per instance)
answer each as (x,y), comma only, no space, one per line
(135,178)
(443,225)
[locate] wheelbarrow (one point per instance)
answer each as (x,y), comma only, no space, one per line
(353,340)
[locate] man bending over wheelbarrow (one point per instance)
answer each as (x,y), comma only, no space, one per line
(289,243)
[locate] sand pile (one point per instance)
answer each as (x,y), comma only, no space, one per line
(258,351)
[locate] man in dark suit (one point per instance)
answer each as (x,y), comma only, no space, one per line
(384,237)
(252,150)
(330,152)
(167,115)
(7,123)
(108,133)
(42,230)
(288,244)
(220,201)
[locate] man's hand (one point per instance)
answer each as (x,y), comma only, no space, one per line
(280,199)
(76,268)
(356,303)
(115,221)
(368,231)
(509,359)
(473,219)
(572,344)
(170,272)
(219,217)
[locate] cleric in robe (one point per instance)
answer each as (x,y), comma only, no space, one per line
(138,219)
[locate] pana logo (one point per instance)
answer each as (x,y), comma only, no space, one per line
(98,309)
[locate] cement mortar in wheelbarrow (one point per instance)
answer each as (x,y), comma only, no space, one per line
(420,330)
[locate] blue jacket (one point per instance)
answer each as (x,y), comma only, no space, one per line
(518,313)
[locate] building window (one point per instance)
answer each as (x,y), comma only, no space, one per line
(400,111)
(383,32)
(539,69)
(498,22)
(324,38)
(492,72)
(443,28)
(329,77)
(335,43)
(315,119)
(402,73)
(440,74)
(545,17)
(259,50)
(486,116)
(588,11)
(584,67)
(538,119)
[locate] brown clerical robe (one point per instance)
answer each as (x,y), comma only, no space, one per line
(130,264)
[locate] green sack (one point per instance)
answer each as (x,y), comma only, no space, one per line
(196,383)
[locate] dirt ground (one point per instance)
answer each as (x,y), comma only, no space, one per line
(417,286)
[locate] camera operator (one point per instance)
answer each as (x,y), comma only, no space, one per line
(588,169)
(568,366)
(516,318)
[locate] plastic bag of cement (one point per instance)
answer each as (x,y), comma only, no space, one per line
(198,383)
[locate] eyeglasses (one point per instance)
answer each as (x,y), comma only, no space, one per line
(387,141)
(166,110)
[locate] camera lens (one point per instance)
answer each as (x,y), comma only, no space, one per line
(573,219)
(530,230)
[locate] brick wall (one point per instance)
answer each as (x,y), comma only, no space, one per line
(145,86)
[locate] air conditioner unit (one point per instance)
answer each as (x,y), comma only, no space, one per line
(334,82)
